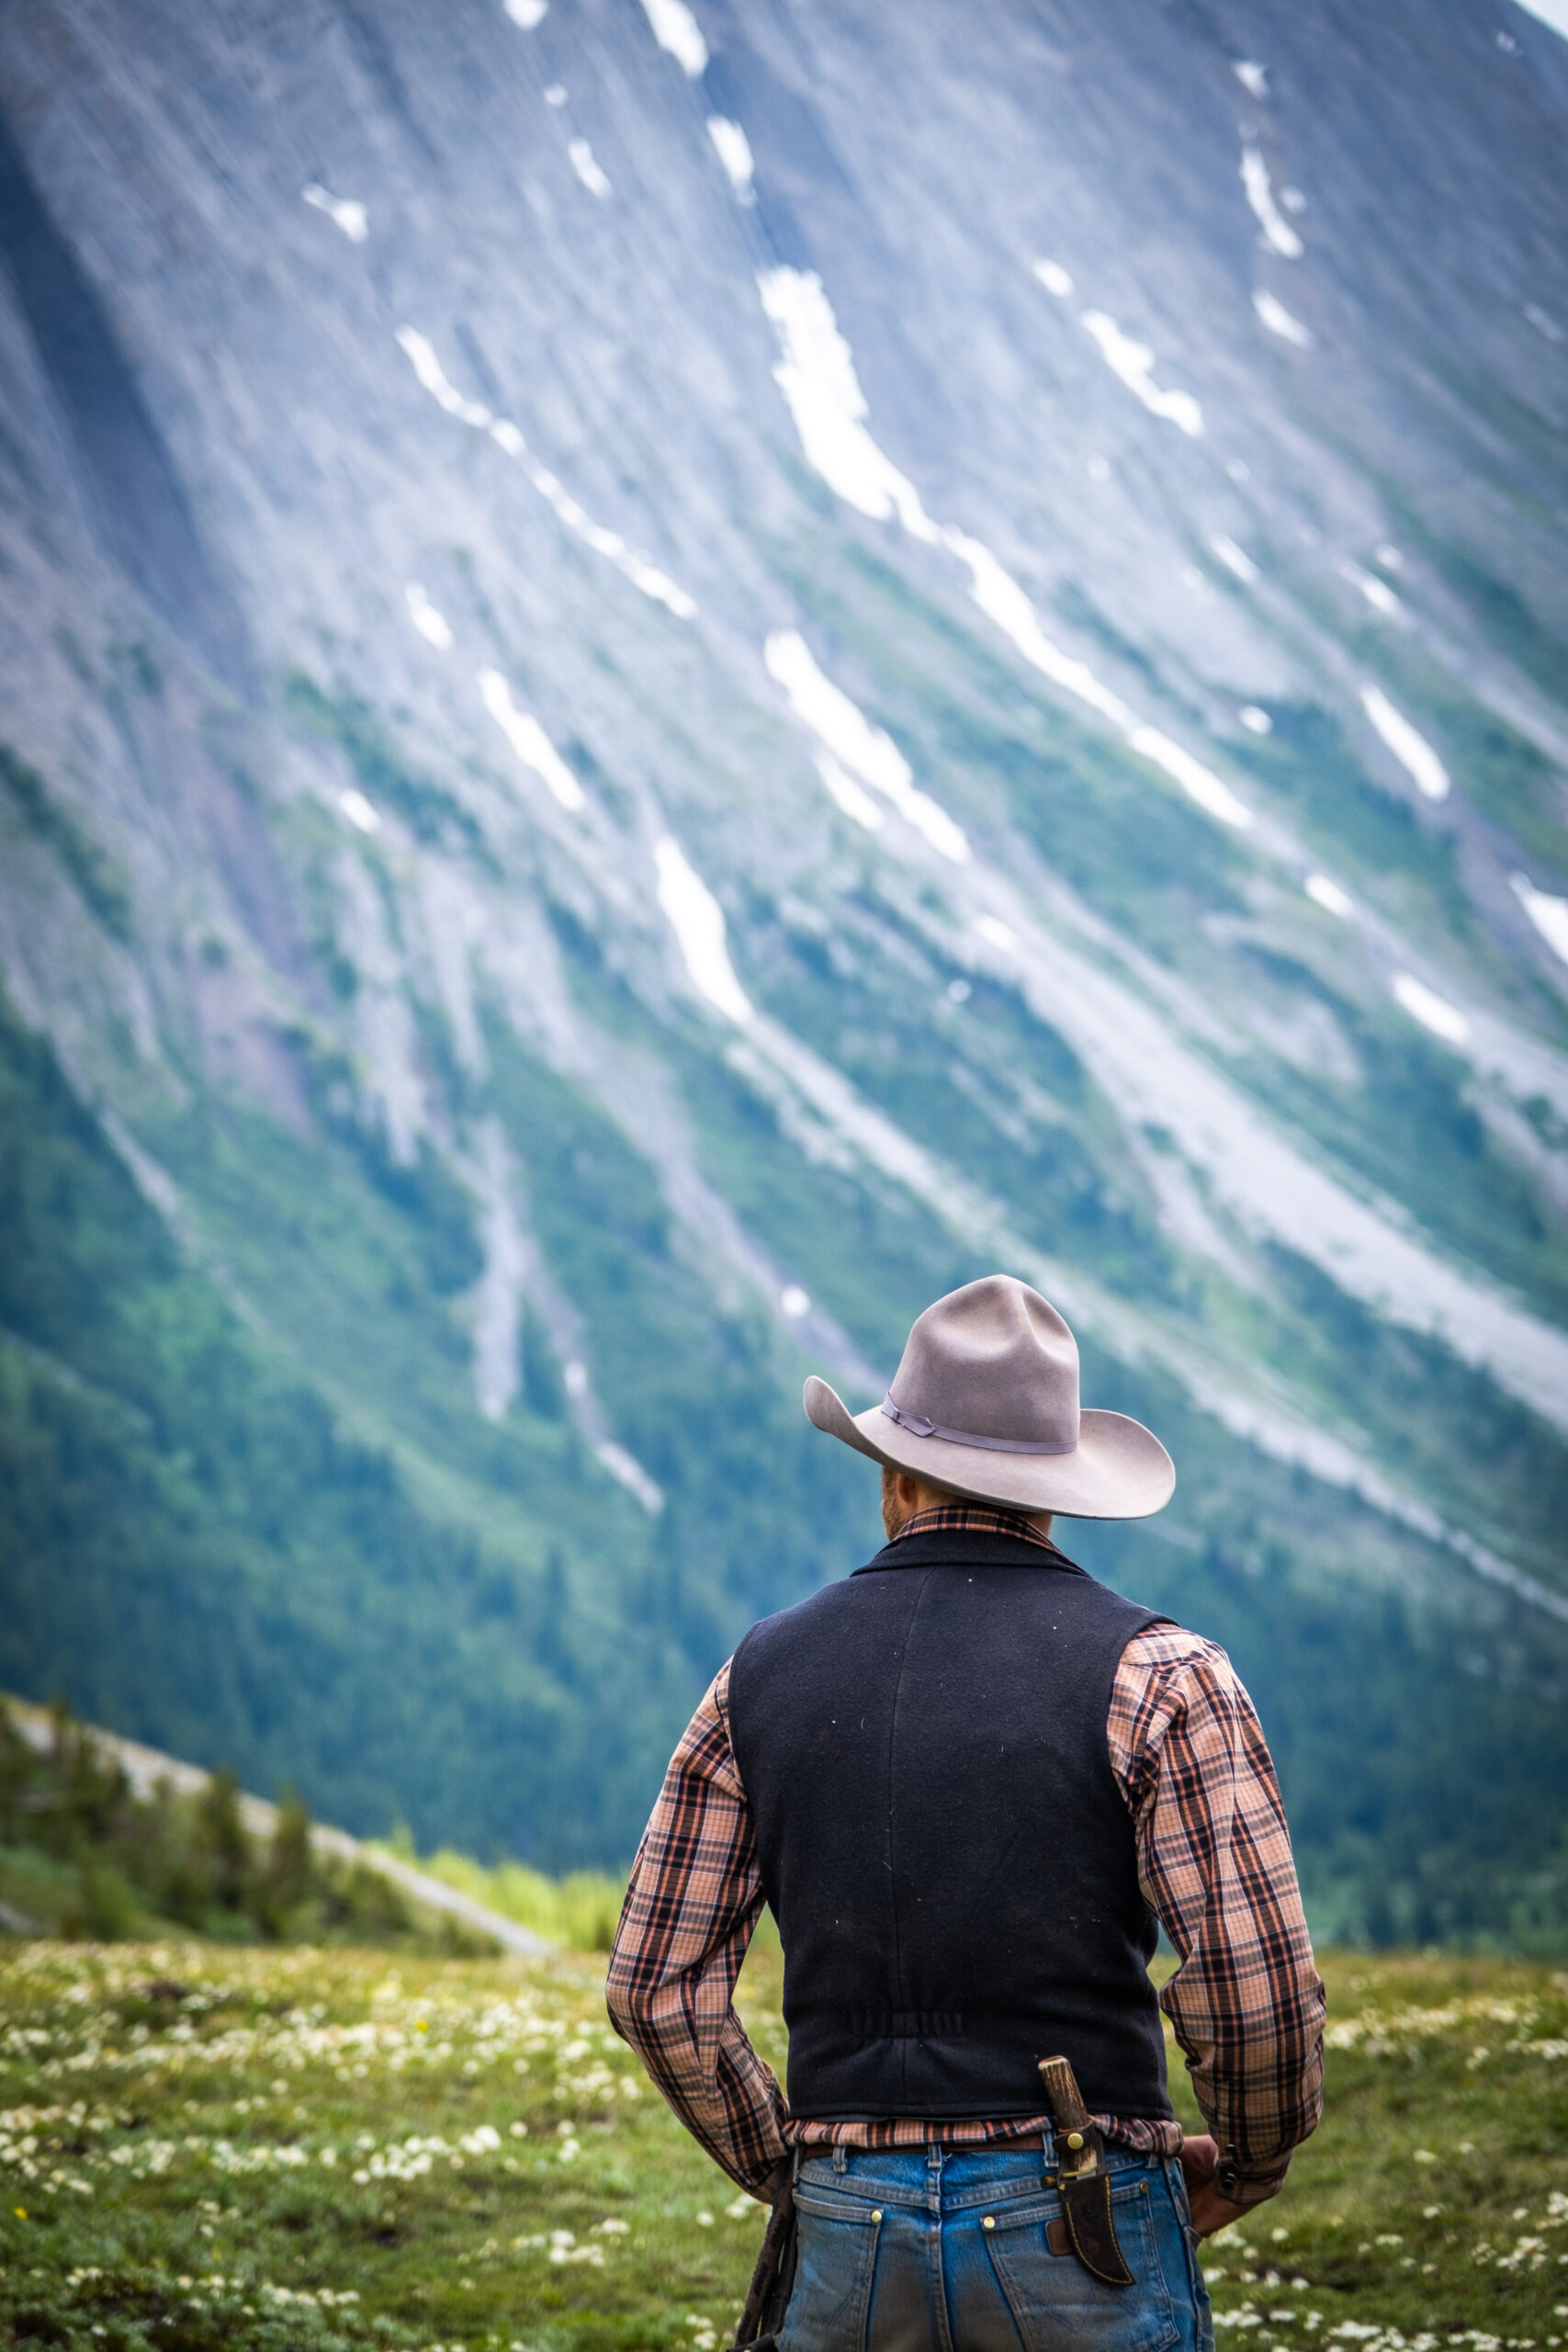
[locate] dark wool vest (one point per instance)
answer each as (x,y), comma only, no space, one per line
(943,1845)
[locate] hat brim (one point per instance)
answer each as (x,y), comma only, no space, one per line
(1118,1469)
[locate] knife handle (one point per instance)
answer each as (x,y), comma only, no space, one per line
(1062,2096)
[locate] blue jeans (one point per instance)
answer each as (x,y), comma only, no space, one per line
(945,2250)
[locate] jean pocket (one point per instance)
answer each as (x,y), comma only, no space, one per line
(1054,2300)
(835,2261)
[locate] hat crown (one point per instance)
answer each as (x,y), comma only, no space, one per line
(996,1361)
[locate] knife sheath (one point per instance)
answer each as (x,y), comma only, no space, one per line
(1081,2175)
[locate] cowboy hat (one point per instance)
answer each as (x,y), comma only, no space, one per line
(986,1401)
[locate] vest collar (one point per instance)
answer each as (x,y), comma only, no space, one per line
(969,1548)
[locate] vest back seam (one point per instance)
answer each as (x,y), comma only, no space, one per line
(892,1751)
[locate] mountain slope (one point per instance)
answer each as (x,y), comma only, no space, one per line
(675,679)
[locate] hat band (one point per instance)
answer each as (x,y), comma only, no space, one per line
(918,1426)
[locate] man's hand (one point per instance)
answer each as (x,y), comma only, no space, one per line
(1199,2162)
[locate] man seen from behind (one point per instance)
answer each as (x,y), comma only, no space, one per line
(971,1783)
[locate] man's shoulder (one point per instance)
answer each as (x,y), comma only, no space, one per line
(1163,1642)
(822,1608)
(1167,1663)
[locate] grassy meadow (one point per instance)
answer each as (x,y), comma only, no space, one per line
(208,2146)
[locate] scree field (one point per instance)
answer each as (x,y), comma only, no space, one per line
(203,2147)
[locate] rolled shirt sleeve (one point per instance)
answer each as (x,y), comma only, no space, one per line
(1214,1861)
(691,1907)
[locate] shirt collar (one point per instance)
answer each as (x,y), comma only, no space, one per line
(988,1519)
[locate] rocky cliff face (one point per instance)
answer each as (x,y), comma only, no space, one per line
(673,677)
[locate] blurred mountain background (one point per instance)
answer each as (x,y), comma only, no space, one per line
(668,680)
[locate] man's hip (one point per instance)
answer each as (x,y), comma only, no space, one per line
(964,2250)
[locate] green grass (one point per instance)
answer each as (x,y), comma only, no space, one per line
(209,2148)
(578,1911)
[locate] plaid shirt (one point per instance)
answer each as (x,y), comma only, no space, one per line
(1213,1863)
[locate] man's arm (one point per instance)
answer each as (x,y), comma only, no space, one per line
(1215,1866)
(694,1894)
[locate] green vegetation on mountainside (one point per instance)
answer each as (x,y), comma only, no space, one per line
(578,1912)
(203,1553)
(25,796)
(231,2150)
(83,1855)
(414,1615)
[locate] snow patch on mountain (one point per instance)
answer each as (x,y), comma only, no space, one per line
(422,358)
(529,741)
(1002,600)
(1378,593)
(1328,894)
(1432,1011)
(734,152)
(1200,784)
(1261,196)
(1549,12)
(852,743)
(846,793)
(510,439)
(696,919)
(362,814)
(1409,746)
(1280,322)
(1234,558)
(431,622)
(345,212)
(816,376)
(588,169)
(1547,912)
(624,1468)
(677,30)
(1132,361)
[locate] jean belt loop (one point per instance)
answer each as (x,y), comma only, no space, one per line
(841,2158)
(934,2157)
